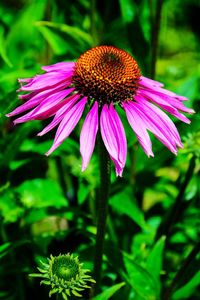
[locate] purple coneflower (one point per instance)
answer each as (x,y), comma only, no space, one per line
(102,78)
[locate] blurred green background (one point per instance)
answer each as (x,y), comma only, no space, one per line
(47,205)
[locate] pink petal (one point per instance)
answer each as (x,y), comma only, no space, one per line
(114,137)
(64,66)
(157,87)
(161,119)
(68,123)
(60,114)
(162,103)
(139,127)
(32,102)
(159,124)
(24,80)
(47,80)
(88,135)
(47,107)
(144,81)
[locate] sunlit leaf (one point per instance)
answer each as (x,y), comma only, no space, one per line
(140,279)
(128,9)
(108,293)
(75,32)
(186,291)
(124,203)
(40,193)
(154,260)
(3,53)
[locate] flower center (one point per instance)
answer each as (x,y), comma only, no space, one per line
(65,267)
(106,74)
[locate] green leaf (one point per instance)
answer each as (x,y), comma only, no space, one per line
(187,290)
(155,259)
(8,247)
(9,208)
(4,249)
(128,10)
(58,44)
(74,32)
(3,53)
(124,203)
(40,193)
(108,293)
(140,280)
(23,36)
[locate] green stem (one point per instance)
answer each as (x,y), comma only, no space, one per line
(102,211)
(92,21)
(155,34)
(182,271)
(58,297)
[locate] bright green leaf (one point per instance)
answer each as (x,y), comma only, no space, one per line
(105,295)
(187,290)
(74,32)
(125,203)
(140,280)
(58,44)
(154,260)
(3,53)
(128,10)
(40,193)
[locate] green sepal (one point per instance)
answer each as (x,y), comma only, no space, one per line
(76,293)
(53,292)
(64,296)
(45,282)
(36,275)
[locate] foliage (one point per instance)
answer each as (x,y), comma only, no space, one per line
(47,205)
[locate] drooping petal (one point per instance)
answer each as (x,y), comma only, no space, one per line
(88,135)
(68,123)
(47,80)
(147,81)
(159,124)
(40,99)
(114,137)
(156,89)
(60,114)
(163,121)
(47,107)
(162,103)
(139,127)
(33,99)
(61,66)
(172,99)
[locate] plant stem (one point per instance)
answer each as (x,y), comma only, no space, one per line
(174,212)
(92,21)
(58,297)
(182,271)
(155,34)
(104,161)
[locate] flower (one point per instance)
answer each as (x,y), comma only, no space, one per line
(65,275)
(103,78)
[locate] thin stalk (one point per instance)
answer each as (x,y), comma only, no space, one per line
(174,212)
(92,21)
(180,274)
(155,35)
(48,17)
(58,297)
(104,161)
(61,175)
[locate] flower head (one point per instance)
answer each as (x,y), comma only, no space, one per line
(65,275)
(103,78)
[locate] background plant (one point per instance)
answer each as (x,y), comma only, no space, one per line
(47,205)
